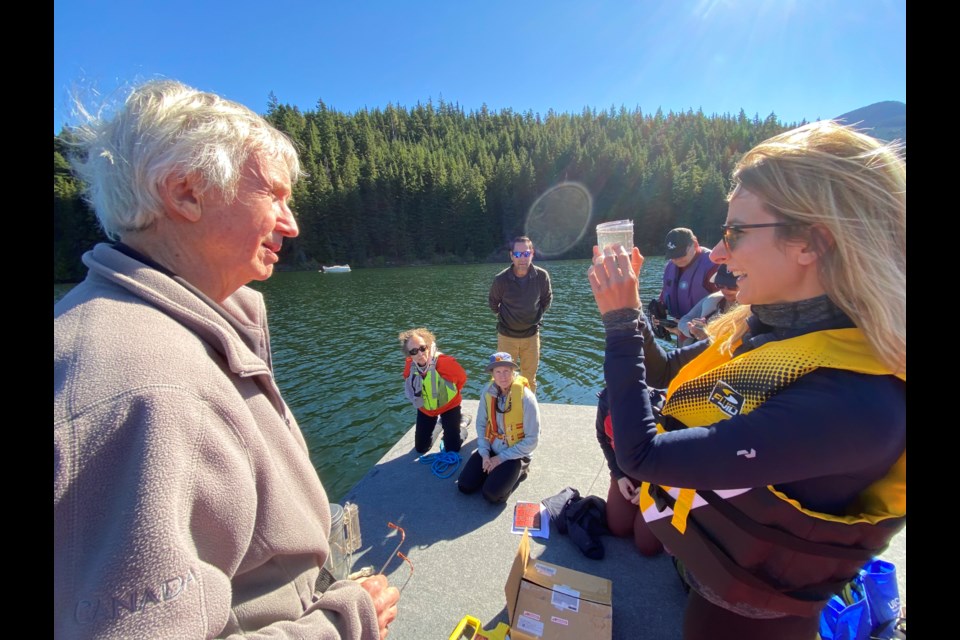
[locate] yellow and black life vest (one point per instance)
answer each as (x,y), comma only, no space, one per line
(756,546)
(512,417)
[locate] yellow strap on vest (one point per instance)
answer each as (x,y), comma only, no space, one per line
(646,501)
(681,509)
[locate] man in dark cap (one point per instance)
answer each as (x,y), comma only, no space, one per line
(687,276)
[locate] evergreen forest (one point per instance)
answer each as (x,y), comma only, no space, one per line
(434,184)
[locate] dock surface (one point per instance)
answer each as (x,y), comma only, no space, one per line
(461,547)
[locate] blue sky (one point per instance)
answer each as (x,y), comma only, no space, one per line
(800,59)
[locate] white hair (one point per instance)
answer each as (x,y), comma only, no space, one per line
(166,128)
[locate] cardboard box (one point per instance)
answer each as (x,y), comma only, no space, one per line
(549,602)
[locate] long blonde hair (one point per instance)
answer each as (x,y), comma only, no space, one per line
(850,191)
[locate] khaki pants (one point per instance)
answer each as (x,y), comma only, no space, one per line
(525,352)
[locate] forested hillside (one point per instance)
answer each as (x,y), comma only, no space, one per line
(433,183)
(75,227)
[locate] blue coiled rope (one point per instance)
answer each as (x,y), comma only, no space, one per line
(442,464)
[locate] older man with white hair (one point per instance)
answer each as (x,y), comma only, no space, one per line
(185,501)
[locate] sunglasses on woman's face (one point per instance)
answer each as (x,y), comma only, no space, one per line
(417,350)
(522,254)
(732,232)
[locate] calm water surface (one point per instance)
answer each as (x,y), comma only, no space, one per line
(339,365)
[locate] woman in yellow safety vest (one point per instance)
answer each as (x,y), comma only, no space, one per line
(508,429)
(432,382)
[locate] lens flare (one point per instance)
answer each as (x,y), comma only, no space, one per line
(559,218)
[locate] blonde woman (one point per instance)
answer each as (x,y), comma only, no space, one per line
(779,465)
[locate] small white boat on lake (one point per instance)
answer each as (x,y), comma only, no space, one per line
(335,268)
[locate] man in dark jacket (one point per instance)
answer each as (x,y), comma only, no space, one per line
(520,295)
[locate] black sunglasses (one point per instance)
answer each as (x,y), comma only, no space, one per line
(417,350)
(732,232)
(525,254)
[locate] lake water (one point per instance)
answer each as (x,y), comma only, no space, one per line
(339,365)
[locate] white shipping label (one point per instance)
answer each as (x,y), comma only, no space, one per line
(565,598)
(544,570)
(531,626)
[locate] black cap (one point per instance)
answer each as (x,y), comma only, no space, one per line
(678,241)
(723,278)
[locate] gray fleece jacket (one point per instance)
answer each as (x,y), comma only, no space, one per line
(185,504)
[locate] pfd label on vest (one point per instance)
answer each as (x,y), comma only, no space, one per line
(531,626)
(725,398)
(565,598)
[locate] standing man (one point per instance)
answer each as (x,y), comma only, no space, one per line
(520,295)
(185,504)
(687,277)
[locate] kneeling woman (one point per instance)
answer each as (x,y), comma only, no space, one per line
(624,518)
(508,426)
(432,382)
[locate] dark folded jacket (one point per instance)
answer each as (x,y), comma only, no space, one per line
(583,519)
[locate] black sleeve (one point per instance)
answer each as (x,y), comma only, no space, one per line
(661,365)
(608,452)
(495,296)
(546,294)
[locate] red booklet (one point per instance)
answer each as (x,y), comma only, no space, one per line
(526,515)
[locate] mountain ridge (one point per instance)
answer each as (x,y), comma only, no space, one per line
(886,120)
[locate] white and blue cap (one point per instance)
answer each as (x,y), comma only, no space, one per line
(501,358)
